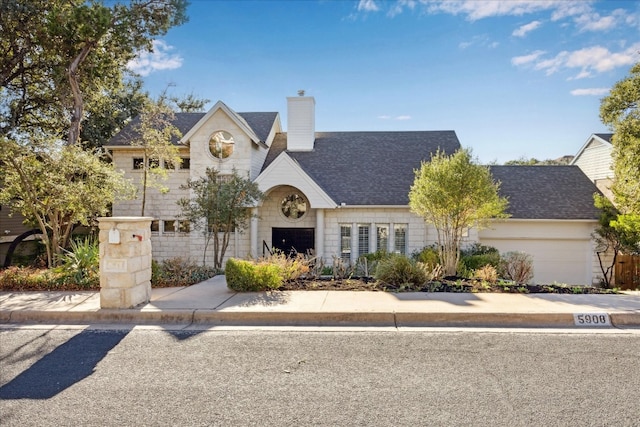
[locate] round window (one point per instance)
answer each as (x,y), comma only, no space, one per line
(294,206)
(221,144)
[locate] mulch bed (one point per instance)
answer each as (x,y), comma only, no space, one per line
(445,285)
(452,284)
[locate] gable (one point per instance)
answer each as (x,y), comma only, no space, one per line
(595,157)
(261,125)
(285,171)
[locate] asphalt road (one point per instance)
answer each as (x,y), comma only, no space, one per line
(86,377)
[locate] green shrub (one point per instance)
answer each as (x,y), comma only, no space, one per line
(428,256)
(516,266)
(401,271)
(477,256)
(249,276)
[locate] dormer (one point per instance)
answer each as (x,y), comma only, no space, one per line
(301,122)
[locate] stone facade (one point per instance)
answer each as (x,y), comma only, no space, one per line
(125,261)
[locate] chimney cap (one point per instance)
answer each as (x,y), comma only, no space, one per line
(301,92)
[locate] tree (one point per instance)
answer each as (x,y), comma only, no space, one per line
(454,194)
(56,187)
(58,55)
(189,103)
(109,112)
(620,110)
(155,135)
(564,160)
(218,206)
(615,234)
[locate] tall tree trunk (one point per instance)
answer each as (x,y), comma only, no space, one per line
(78,102)
(145,173)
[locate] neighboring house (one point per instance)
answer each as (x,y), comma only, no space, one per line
(594,159)
(345,194)
(11,226)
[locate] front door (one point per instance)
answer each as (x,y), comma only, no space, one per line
(293,240)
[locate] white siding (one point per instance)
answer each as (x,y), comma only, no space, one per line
(595,160)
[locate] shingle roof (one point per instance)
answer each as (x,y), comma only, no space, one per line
(547,192)
(605,136)
(367,168)
(261,124)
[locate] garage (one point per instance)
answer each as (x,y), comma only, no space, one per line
(561,251)
(561,261)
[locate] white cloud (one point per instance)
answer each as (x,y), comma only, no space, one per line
(480,9)
(596,91)
(400,5)
(159,58)
(589,61)
(526,59)
(592,21)
(368,6)
(388,117)
(524,29)
(570,8)
(480,40)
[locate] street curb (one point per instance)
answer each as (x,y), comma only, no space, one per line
(372,319)
(102,316)
(625,319)
(555,320)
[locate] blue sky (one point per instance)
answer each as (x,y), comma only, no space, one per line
(512,78)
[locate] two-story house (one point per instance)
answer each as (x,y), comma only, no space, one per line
(345,194)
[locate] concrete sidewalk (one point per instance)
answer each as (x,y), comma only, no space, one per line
(212,303)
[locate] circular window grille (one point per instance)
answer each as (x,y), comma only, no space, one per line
(294,206)
(221,144)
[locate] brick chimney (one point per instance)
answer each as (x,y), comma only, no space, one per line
(301,122)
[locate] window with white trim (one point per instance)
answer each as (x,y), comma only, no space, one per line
(363,239)
(345,241)
(382,237)
(400,238)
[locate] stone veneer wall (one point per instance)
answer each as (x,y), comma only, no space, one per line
(125,261)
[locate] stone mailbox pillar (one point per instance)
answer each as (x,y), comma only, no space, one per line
(125,261)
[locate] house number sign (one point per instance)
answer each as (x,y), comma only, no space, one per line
(591,319)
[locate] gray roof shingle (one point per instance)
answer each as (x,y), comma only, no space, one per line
(547,192)
(605,136)
(261,124)
(367,168)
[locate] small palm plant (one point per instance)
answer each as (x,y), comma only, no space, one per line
(81,263)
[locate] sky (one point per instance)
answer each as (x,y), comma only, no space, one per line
(513,78)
